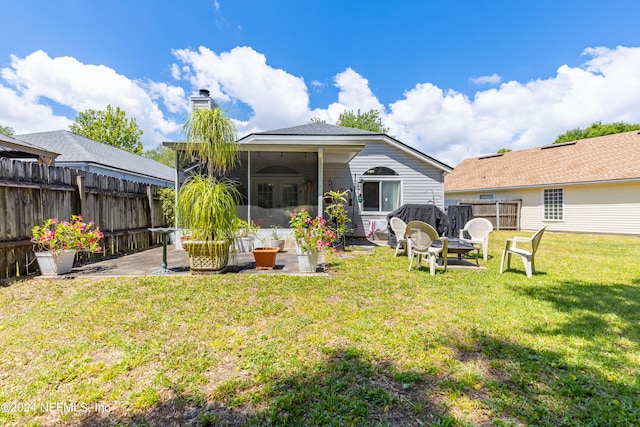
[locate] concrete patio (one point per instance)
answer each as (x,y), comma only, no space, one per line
(149,262)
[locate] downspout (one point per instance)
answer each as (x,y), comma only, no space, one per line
(320,180)
(249,186)
(175,164)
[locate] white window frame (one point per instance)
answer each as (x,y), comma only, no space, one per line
(379,179)
(555,211)
(486,196)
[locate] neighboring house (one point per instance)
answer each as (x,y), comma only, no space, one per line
(15,149)
(78,152)
(284,170)
(591,185)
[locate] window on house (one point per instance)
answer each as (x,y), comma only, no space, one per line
(554,204)
(380,190)
(486,196)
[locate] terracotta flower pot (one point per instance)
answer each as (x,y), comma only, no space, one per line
(265,258)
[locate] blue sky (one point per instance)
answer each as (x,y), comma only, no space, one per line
(451,78)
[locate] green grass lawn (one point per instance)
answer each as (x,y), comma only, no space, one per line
(372,344)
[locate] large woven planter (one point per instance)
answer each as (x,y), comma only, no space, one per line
(207,256)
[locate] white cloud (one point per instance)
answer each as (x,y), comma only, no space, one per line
(447,125)
(70,83)
(26,116)
(483,80)
(451,127)
(354,94)
(276,97)
(317,85)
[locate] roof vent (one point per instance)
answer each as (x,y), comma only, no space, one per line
(204,92)
(490,156)
(562,144)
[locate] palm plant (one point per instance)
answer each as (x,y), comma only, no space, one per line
(207,200)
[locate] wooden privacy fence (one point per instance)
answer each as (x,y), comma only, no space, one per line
(504,214)
(31,193)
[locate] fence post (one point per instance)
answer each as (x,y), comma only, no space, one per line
(151,206)
(82,194)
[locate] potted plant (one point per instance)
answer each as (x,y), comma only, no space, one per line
(265,257)
(276,239)
(55,243)
(338,216)
(312,235)
(207,200)
(245,235)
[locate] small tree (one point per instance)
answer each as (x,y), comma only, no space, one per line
(370,121)
(110,126)
(338,215)
(6,130)
(162,154)
(168,202)
(596,129)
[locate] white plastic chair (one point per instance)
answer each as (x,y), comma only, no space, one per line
(399,227)
(478,229)
(528,257)
(420,237)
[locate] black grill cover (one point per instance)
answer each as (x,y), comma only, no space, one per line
(458,215)
(430,214)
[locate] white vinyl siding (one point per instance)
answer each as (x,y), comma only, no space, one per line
(608,208)
(421,183)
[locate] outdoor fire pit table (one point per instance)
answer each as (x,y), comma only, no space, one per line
(457,246)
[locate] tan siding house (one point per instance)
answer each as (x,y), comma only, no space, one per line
(590,185)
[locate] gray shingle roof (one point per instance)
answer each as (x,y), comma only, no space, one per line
(76,148)
(323,129)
